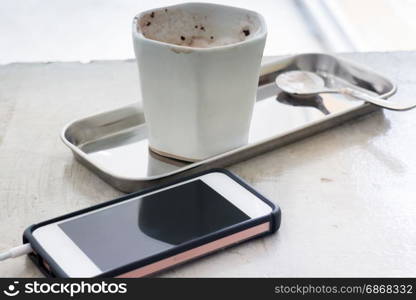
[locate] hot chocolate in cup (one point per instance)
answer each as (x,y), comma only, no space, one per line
(198,65)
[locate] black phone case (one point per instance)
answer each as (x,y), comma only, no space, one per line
(53,270)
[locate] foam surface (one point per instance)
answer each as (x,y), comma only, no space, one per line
(199,28)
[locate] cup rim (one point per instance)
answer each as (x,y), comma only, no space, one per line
(259,36)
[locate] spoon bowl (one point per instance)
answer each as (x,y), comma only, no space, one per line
(300,83)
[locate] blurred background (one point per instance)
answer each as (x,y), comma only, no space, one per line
(84,30)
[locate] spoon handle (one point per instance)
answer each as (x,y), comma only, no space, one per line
(375,100)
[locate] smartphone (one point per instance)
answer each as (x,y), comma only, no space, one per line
(147,232)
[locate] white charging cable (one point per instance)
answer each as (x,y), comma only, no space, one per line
(16,251)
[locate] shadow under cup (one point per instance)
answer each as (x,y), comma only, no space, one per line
(199,67)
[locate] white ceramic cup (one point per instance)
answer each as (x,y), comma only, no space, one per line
(199,67)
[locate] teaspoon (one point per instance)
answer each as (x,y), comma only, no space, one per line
(304,83)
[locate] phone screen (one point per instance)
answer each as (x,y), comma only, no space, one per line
(147,225)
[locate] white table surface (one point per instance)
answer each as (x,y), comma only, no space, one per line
(347,195)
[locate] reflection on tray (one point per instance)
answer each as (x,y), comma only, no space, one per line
(128,151)
(313,101)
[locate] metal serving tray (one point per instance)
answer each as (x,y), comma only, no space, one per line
(114,144)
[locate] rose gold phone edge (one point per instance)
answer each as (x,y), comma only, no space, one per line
(196,252)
